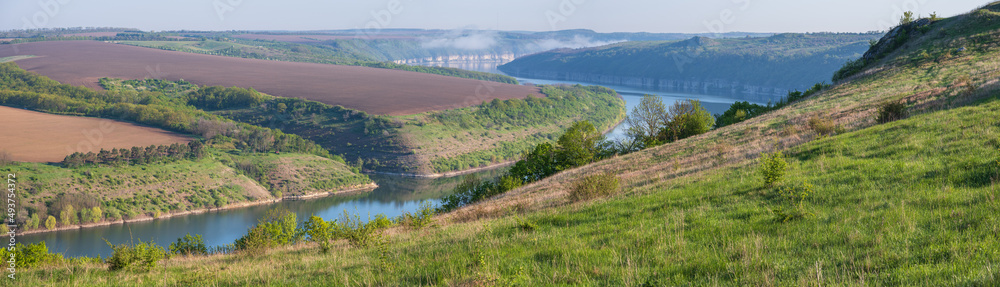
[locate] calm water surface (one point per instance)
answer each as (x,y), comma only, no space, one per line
(394,196)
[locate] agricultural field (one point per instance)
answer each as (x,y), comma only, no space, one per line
(375,91)
(99,171)
(39,137)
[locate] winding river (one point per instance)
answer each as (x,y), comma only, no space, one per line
(394,196)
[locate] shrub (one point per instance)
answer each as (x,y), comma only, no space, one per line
(525,225)
(319,231)
(824,126)
(31,255)
(357,233)
(792,198)
(189,245)
(772,167)
(892,111)
(592,186)
(849,69)
(380,221)
(277,227)
(423,217)
(254,241)
(139,257)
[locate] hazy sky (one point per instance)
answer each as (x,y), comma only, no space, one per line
(688,16)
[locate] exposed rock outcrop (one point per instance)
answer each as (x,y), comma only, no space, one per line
(894,39)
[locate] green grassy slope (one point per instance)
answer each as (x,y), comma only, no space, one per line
(443,141)
(906,203)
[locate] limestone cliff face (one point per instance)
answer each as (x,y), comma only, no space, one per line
(463,58)
(722,87)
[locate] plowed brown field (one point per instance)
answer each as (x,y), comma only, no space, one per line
(377,91)
(39,137)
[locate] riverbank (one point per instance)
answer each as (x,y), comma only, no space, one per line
(607,131)
(356,188)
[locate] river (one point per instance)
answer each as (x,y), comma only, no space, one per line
(715,104)
(394,196)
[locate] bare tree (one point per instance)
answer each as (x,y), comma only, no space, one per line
(647,118)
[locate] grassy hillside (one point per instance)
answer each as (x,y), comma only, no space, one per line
(500,131)
(786,61)
(227,164)
(890,205)
(910,202)
(437,142)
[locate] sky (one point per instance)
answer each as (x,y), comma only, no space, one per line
(658,16)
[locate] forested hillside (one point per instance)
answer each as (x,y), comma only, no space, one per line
(767,66)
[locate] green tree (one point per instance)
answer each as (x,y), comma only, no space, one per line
(50,223)
(33,221)
(67,215)
(688,118)
(96,214)
(537,164)
(577,145)
(906,18)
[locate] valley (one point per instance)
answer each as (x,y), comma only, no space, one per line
(385,156)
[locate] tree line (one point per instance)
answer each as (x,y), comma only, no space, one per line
(217,98)
(741,111)
(137,155)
